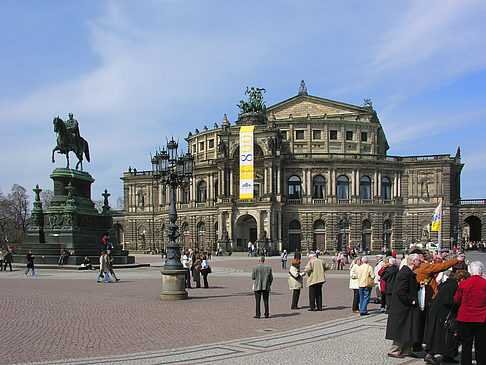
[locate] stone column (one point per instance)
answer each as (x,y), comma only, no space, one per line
(379,184)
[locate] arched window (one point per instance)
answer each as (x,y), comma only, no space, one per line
(386,188)
(365,188)
(342,187)
(294,224)
(366,224)
(319,224)
(295,187)
(319,187)
(201,192)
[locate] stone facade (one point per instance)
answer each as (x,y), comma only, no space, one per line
(323,180)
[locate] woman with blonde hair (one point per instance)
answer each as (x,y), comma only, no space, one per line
(353,283)
(295,282)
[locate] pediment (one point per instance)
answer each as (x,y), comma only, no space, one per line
(302,106)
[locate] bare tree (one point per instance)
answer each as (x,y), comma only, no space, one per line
(18,202)
(46,198)
(98,205)
(120,204)
(4,216)
(14,214)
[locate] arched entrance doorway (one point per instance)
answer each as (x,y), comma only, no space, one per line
(474,224)
(245,231)
(365,236)
(319,235)
(201,235)
(294,236)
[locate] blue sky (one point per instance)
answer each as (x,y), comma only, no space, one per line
(134,73)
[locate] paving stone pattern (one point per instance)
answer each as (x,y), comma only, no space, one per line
(66,317)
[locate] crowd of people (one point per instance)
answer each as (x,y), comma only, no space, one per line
(434,301)
(476,245)
(195,264)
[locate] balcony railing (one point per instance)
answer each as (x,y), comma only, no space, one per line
(294,201)
(472,201)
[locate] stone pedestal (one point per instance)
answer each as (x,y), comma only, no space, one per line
(173,285)
(72,223)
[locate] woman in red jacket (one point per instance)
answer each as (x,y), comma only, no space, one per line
(471,295)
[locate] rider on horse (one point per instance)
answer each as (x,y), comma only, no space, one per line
(72,127)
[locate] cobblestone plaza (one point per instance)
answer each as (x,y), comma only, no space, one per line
(64,316)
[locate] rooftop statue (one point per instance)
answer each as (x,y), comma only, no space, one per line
(302,88)
(69,140)
(255,103)
(367,104)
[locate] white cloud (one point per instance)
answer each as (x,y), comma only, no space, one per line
(166,68)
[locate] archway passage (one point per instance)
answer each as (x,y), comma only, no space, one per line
(365,235)
(294,236)
(246,231)
(319,235)
(474,228)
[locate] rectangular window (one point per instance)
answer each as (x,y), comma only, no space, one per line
(211,143)
(299,134)
(332,134)
(201,146)
(256,190)
(316,134)
(349,135)
(364,137)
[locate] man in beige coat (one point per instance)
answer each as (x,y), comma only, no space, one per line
(366,282)
(315,278)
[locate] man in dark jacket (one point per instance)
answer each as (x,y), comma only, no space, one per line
(262,280)
(403,324)
(388,274)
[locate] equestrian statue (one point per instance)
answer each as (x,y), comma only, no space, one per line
(69,140)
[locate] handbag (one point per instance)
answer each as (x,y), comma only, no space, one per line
(451,324)
(209,269)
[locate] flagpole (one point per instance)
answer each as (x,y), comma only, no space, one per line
(439,236)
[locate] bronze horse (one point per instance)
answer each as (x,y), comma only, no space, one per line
(67,142)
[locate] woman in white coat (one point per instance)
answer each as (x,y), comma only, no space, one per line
(353,283)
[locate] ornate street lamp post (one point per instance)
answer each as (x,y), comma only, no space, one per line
(173,171)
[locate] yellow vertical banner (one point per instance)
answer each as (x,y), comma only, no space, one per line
(246,162)
(436,221)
